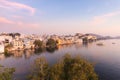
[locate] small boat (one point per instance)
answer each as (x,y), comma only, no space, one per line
(100,44)
(113,43)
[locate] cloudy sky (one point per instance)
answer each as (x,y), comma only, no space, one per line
(60,16)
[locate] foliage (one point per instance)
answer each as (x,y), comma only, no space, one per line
(38,43)
(6,73)
(85,39)
(68,68)
(73,69)
(14,34)
(7,53)
(40,70)
(51,43)
(8,46)
(17,34)
(7,50)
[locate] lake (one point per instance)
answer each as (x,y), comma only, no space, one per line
(106,58)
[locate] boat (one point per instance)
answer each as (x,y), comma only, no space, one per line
(113,43)
(100,44)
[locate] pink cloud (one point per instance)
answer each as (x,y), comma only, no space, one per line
(30,25)
(5,21)
(111,14)
(18,6)
(100,20)
(17,17)
(97,20)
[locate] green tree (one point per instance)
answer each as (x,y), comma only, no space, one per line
(17,34)
(14,34)
(7,50)
(40,70)
(9,46)
(56,72)
(73,68)
(38,43)
(51,43)
(67,68)
(6,73)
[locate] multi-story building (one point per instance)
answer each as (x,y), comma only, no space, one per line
(28,43)
(2,47)
(17,44)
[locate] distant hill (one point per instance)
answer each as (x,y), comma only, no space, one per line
(98,36)
(118,37)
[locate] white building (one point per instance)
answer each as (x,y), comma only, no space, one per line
(28,44)
(78,41)
(5,37)
(17,44)
(2,47)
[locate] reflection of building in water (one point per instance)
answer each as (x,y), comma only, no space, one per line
(87,45)
(17,54)
(60,46)
(21,53)
(2,56)
(77,46)
(65,46)
(28,53)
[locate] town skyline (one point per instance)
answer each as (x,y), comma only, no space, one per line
(60,17)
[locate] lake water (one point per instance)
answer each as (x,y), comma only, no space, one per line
(106,58)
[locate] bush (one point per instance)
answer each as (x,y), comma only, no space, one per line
(40,70)
(68,68)
(51,43)
(6,73)
(38,43)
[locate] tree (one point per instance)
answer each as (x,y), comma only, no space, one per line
(51,43)
(76,68)
(6,73)
(11,34)
(73,68)
(40,70)
(9,46)
(14,34)
(17,34)
(38,43)
(67,68)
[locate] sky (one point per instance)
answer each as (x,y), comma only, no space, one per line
(60,16)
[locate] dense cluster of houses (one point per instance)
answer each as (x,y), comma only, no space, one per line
(17,41)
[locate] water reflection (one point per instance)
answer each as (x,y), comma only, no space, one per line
(107,58)
(2,56)
(27,53)
(87,45)
(78,46)
(51,50)
(30,52)
(39,50)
